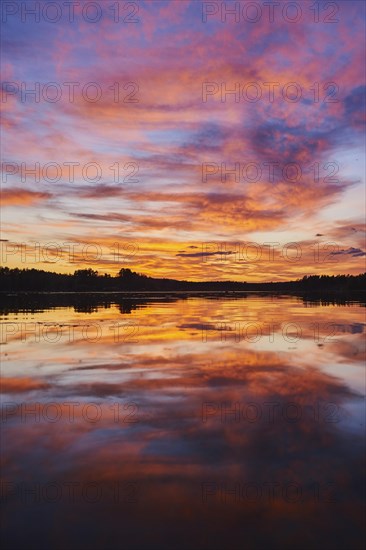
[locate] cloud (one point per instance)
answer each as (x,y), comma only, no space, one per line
(19,196)
(198,254)
(355,252)
(22,385)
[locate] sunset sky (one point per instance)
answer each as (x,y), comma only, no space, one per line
(158,111)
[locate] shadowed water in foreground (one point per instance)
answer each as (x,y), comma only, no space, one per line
(196,422)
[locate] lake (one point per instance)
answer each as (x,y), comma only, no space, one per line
(156,422)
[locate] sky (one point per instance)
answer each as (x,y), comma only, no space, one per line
(181,140)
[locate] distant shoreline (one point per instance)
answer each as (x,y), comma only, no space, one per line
(128,301)
(127,281)
(129,293)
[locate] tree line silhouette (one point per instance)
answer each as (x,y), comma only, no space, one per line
(89,280)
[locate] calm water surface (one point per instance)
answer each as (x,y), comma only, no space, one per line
(185,423)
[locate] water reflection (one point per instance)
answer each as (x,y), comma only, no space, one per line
(183,423)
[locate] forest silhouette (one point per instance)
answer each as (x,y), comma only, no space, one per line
(89,280)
